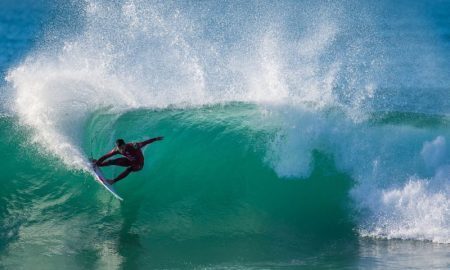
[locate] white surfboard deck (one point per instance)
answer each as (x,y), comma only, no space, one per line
(98,175)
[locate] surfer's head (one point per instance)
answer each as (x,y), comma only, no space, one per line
(120,143)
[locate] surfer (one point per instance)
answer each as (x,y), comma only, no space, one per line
(133,158)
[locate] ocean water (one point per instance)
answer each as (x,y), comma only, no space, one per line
(298,134)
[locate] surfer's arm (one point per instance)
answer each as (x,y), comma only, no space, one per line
(144,143)
(106,156)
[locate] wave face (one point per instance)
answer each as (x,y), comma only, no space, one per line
(284,122)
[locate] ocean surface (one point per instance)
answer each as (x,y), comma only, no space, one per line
(298,134)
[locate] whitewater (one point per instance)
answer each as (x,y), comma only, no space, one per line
(297,134)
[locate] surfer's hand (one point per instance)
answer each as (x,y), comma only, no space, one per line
(160,138)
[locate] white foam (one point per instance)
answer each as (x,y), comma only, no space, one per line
(418,210)
(409,206)
(434,152)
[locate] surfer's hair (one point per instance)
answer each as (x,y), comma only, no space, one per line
(120,142)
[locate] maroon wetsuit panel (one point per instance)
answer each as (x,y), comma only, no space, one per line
(134,154)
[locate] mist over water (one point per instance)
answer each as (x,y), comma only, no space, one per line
(361,85)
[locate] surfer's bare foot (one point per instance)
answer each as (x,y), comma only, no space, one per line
(110,182)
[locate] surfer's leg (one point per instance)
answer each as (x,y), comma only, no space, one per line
(121,176)
(124,162)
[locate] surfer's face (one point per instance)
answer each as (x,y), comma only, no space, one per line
(122,147)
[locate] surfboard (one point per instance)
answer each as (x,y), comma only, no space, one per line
(99,177)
